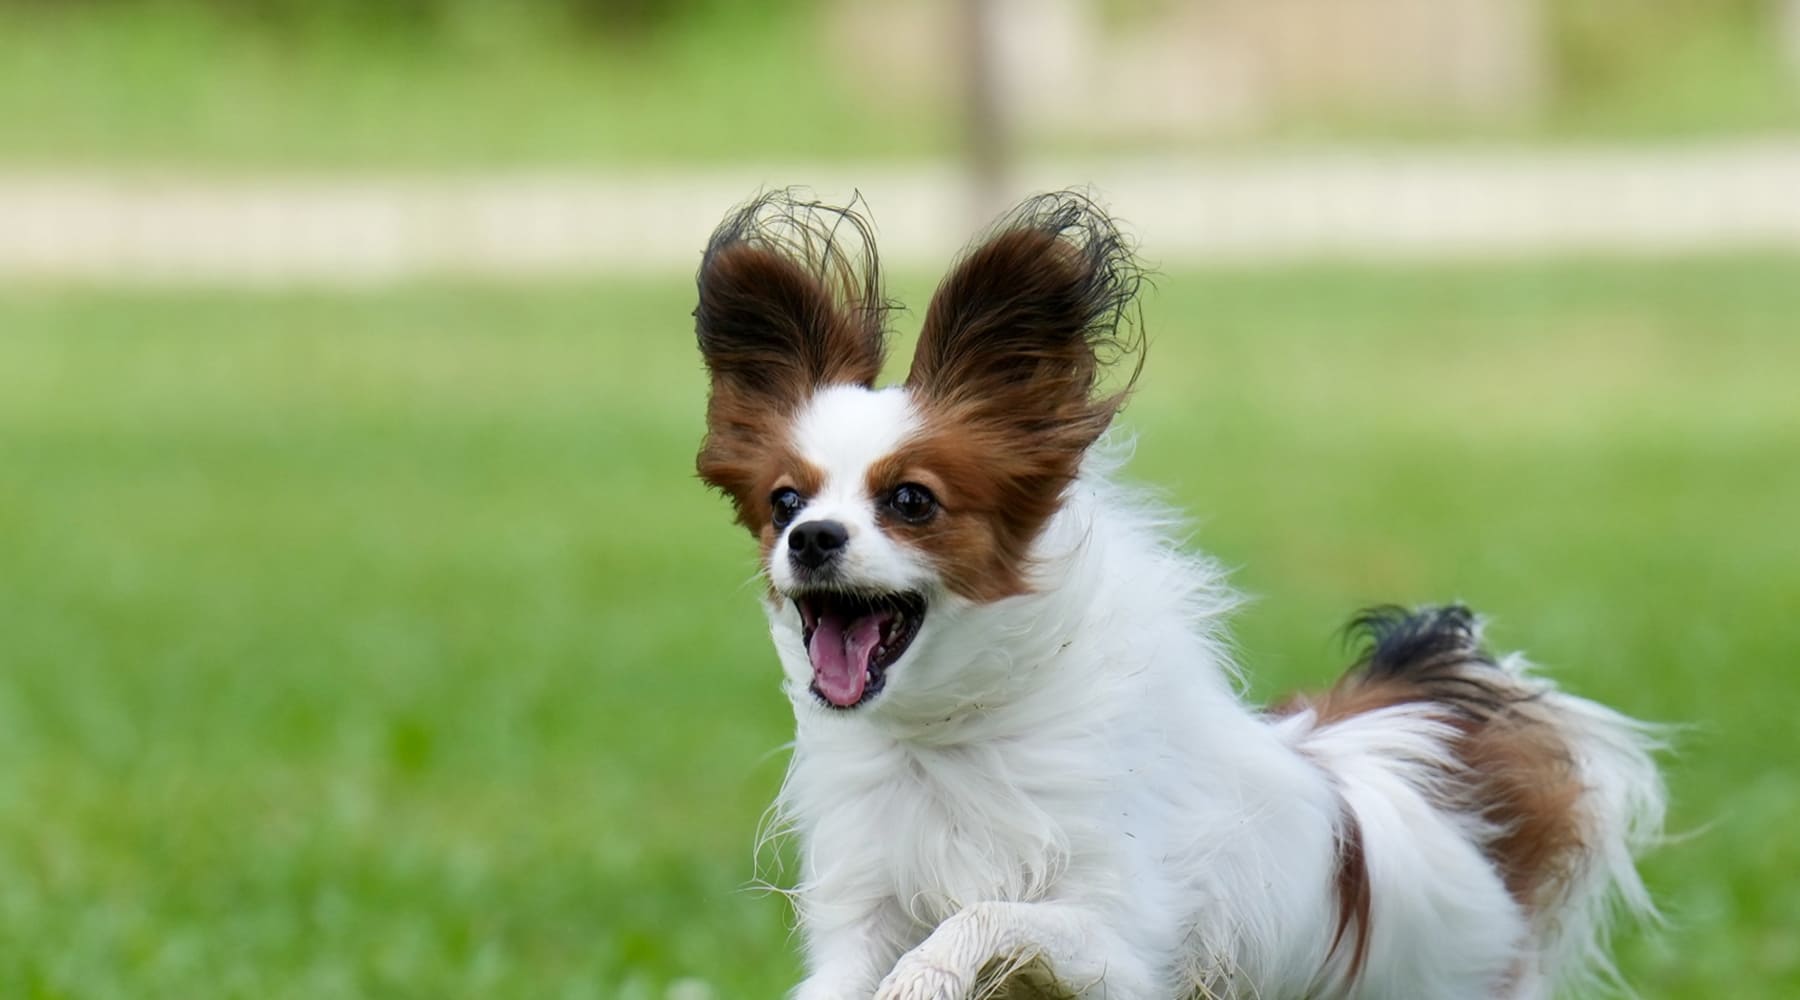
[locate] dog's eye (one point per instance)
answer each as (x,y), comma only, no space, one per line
(784,506)
(912,502)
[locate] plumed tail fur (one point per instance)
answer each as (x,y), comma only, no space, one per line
(1623,801)
(1565,793)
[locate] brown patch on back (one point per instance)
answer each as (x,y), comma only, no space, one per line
(1517,773)
(1529,790)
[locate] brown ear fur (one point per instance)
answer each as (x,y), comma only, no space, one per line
(789,301)
(1008,370)
(1030,319)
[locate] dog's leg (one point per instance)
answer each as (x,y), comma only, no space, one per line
(839,981)
(1086,957)
(846,962)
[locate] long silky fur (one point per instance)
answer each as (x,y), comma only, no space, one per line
(1063,760)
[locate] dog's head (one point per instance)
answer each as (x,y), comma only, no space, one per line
(890,518)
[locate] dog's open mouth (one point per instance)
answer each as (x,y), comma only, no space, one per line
(853,638)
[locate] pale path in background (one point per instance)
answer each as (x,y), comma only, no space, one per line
(150,227)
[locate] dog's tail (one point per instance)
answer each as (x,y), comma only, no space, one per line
(1564,792)
(1622,805)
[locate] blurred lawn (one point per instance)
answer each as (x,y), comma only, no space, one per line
(467,84)
(385,646)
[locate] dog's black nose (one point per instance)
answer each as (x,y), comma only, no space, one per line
(815,543)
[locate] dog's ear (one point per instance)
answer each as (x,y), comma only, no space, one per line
(1020,335)
(789,302)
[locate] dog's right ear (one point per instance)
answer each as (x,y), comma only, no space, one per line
(789,302)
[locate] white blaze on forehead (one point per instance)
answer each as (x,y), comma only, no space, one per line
(844,429)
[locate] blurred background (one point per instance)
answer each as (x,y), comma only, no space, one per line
(364,632)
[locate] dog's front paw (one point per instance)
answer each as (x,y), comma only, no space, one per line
(917,978)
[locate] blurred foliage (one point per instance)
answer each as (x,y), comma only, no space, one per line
(183,83)
(438,83)
(437,16)
(1670,66)
(1604,43)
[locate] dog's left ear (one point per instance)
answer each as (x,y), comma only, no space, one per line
(1020,335)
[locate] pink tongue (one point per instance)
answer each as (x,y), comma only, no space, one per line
(840,656)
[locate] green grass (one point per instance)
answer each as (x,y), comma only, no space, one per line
(385,646)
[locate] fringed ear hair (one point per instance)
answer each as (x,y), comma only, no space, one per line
(789,301)
(1009,378)
(1025,327)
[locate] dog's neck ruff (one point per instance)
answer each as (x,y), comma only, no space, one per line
(1005,743)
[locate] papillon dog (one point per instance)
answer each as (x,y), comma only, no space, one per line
(1022,762)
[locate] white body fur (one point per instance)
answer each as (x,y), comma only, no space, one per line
(1068,781)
